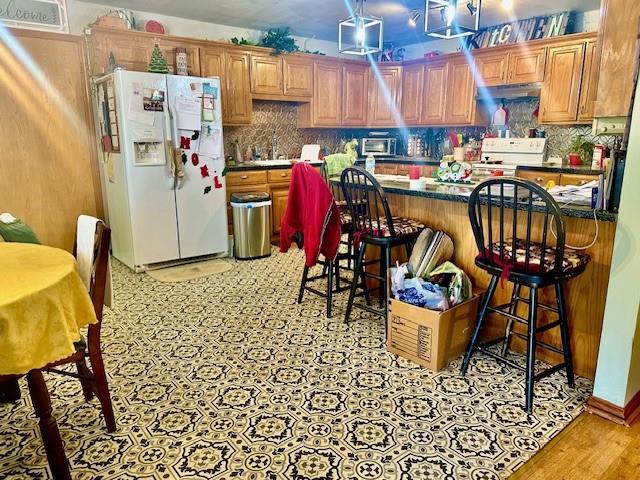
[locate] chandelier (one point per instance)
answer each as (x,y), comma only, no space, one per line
(450,19)
(360,34)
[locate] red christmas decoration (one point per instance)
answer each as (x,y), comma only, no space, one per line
(185,143)
(194,159)
(204,171)
(216,182)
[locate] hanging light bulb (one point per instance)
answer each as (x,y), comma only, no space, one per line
(450,12)
(413,19)
(507,4)
(360,34)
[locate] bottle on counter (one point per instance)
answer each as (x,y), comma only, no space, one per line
(370,164)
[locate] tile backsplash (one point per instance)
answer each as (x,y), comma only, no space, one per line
(281,118)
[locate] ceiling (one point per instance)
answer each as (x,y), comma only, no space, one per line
(319,18)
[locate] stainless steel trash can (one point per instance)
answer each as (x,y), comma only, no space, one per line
(251,232)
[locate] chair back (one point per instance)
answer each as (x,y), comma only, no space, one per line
(501,213)
(335,189)
(95,277)
(366,201)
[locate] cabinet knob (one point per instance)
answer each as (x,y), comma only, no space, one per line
(244,177)
(539,179)
(283,174)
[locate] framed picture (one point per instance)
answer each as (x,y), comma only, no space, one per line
(49,15)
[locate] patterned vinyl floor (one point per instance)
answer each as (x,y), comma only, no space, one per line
(227,377)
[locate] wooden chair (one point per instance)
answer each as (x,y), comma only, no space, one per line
(94,380)
(507,250)
(373,224)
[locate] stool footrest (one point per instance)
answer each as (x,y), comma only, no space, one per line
(375,311)
(543,306)
(549,371)
(498,310)
(483,348)
(549,326)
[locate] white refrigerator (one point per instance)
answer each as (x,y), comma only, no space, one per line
(162,166)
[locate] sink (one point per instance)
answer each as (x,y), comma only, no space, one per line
(268,163)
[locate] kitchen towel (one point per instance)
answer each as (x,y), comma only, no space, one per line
(85,249)
(337,162)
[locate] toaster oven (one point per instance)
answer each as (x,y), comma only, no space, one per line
(379,144)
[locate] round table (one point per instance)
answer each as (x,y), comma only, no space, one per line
(43,305)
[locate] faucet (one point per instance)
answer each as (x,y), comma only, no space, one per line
(274,146)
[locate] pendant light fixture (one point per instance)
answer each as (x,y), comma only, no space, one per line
(360,34)
(445,18)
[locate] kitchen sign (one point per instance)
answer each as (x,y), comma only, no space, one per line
(523,30)
(35,14)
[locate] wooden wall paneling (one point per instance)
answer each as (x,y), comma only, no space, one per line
(617,43)
(412,84)
(586,294)
(50,172)
(355,89)
(434,93)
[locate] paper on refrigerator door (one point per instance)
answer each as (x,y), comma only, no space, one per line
(210,140)
(137,113)
(187,113)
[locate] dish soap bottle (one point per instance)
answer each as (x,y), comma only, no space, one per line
(370,164)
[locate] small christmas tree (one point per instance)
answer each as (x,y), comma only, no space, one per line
(157,64)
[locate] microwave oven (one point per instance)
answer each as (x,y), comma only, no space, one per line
(379,145)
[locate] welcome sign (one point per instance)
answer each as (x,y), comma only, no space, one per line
(35,14)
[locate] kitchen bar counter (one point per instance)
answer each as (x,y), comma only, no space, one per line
(446,208)
(460,193)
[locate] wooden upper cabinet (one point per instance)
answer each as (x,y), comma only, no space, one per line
(298,76)
(616,57)
(526,65)
(128,52)
(238,88)
(412,84)
(384,95)
(327,94)
(169,51)
(492,68)
(589,84)
(355,91)
(561,88)
(266,74)
(433,93)
(460,97)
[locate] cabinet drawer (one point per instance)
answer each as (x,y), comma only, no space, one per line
(386,169)
(279,176)
(541,178)
(403,169)
(260,187)
(576,179)
(247,178)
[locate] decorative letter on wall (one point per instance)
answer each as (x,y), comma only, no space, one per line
(48,15)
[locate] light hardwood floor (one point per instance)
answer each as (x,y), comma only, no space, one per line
(589,448)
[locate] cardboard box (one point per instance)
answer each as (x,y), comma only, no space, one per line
(428,337)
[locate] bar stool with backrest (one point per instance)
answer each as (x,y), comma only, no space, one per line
(504,236)
(373,225)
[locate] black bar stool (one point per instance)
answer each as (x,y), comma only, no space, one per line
(372,224)
(507,251)
(331,268)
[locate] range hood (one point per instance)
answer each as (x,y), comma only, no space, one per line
(509,92)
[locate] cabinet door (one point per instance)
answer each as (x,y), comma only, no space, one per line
(354,94)
(541,178)
(266,74)
(561,88)
(433,94)
(460,103)
(327,94)
(279,199)
(298,76)
(492,69)
(238,89)
(212,62)
(384,95)
(589,84)
(527,65)
(169,51)
(132,54)
(412,81)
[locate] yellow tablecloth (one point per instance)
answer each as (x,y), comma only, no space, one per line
(43,305)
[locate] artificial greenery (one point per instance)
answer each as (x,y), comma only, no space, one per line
(243,41)
(582,147)
(280,40)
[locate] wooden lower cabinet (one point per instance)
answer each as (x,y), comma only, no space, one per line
(279,198)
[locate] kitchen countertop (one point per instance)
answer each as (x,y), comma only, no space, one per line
(460,193)
(262,165)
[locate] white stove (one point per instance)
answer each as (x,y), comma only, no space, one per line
(506,154)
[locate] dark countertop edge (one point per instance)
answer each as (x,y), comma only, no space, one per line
(241,167)
(585,213)
(403,161)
